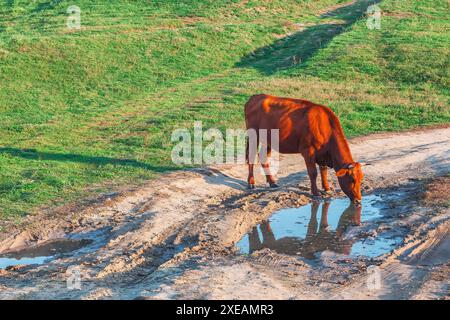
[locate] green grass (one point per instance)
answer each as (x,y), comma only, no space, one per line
(82,112)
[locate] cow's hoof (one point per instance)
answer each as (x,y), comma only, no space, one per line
(251,186)
(274,185)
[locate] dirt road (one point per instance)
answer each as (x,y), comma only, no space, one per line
(175,237)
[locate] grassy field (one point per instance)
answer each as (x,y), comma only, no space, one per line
(83,111)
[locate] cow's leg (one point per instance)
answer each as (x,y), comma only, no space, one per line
(251,177)
(268,236)
(323,175)
(254,241)
(264,158)
(311,232)
(312,170)
(250,156)
(324,217)
(312,173)
(312,225)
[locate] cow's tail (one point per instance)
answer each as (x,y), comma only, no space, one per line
(246,150)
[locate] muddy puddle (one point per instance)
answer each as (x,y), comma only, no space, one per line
(44,252)
(321,226)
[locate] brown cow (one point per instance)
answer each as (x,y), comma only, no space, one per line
(312,130)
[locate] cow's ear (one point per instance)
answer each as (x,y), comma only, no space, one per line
(341,172)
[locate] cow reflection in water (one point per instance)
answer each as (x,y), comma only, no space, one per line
(318,237)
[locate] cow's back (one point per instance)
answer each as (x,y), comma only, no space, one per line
(301,123)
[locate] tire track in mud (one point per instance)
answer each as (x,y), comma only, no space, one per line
(420,269)
(174,238)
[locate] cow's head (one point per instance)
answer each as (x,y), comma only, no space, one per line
(350,181)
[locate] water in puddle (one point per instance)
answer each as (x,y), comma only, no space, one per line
(317,227)
(42,253)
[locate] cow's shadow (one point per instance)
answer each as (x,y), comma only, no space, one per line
(319,237)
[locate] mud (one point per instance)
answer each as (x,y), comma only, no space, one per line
(176,237)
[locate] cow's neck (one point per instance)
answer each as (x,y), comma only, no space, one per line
(340,151)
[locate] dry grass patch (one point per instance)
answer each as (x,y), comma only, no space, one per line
(325,91)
